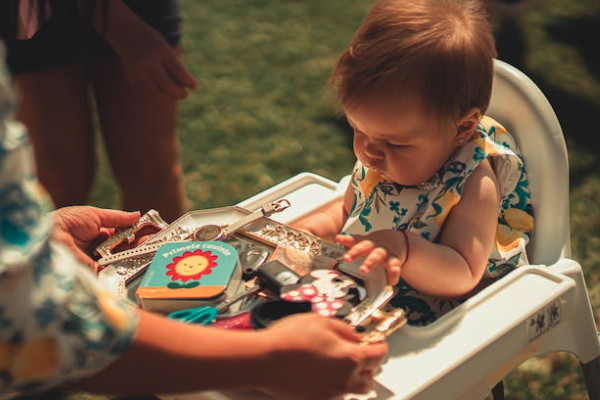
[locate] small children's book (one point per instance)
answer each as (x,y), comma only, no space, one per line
(189,274)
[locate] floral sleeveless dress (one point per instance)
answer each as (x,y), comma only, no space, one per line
(423,209)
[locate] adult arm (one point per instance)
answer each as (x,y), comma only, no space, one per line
(300,357)
(198,358)
(151,65)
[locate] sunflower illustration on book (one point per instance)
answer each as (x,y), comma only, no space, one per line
(191,265)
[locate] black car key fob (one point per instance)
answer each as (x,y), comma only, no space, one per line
(275,275)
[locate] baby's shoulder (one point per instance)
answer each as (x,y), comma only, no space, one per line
(497,133)
(490,125)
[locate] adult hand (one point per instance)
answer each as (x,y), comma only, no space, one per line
(80,226)
(151,64)
(153,67)
(319,358)
(386,247)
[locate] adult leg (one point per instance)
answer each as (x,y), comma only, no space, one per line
(54,106)
(141,142)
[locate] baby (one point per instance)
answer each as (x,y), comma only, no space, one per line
(439,193)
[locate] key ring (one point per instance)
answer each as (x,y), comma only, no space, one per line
(275,207)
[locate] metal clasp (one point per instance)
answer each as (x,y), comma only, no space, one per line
(275,207)
(386,323)
(151,218)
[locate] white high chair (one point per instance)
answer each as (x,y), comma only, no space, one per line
(540,308)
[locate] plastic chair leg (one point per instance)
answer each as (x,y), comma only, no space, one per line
(591,375)
(498,391)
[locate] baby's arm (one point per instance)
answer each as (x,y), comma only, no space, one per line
(329,220)
(451,267)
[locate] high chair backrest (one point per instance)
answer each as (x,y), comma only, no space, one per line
(519,105)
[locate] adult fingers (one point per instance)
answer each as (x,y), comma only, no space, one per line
(116,218)
(103,235)
(84,258)
(371,355)
(361,383)
(179,72)
(77,252)
(168,85)
(342,329)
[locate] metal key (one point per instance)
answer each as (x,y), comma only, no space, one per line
(151,218)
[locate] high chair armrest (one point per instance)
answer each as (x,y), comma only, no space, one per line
(467,351)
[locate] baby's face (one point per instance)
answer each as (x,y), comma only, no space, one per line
(399,141)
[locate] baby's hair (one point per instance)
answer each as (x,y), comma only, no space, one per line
(437,52)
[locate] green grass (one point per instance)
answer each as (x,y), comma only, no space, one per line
(261,115)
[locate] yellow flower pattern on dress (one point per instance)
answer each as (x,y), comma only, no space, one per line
(446,203)
(518,220)
(508,239)
(370,181)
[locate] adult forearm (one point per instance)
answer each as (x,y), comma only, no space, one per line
(196,359)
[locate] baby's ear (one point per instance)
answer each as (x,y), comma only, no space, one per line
(466,125)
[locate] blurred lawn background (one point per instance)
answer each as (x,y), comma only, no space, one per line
(262,114)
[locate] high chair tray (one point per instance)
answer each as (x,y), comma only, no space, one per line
(299,251)
(531,297)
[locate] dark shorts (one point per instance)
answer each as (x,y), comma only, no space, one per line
(66,39)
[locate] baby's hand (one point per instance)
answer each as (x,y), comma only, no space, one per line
(385,247)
